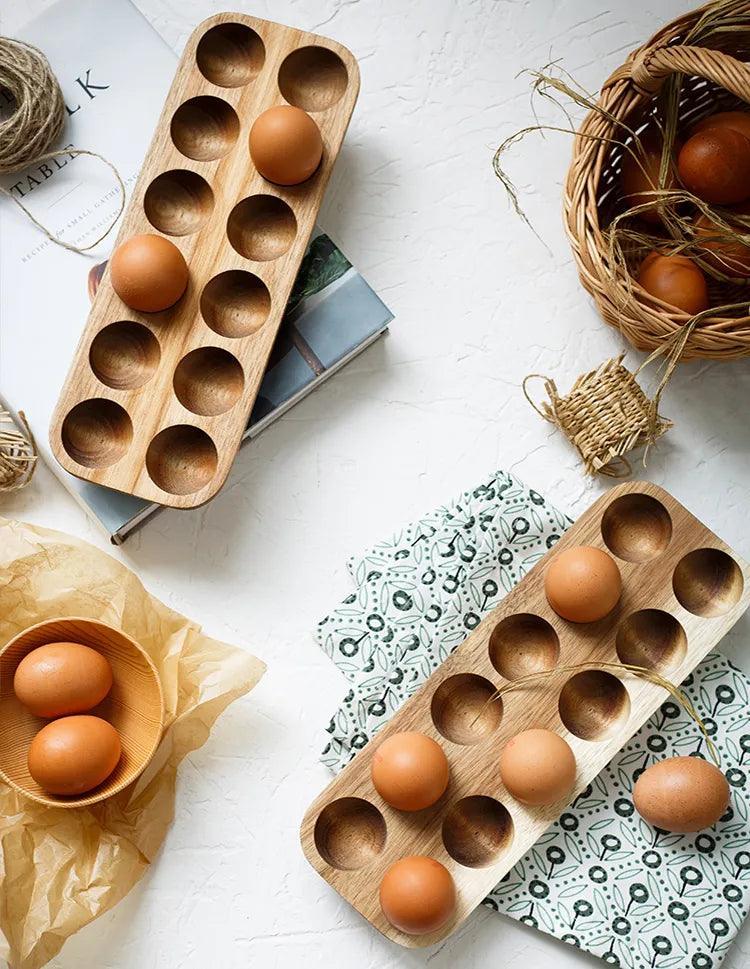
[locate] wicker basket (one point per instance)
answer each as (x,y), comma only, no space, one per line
(716,78)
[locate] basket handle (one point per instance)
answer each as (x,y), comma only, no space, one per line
(651,66)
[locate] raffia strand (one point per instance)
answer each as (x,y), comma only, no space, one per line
(640,671)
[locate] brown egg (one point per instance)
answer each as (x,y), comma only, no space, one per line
(715,165)
(736,120)
(410,771)
(681,794)
(417,895)
(62,678)
(675,280)
(727,257)
(73,755)
(285,145)
(582,584)
(148,273)
(538,767)
(640,174)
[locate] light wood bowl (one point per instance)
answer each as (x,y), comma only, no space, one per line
(134,707)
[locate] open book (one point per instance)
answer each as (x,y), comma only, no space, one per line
(92,46)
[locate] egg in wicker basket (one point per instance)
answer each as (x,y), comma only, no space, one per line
(703,55)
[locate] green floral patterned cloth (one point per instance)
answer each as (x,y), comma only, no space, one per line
(600,878)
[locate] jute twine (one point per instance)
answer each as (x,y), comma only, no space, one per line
(605,415)
(642,672)
(35,124)
(18,454)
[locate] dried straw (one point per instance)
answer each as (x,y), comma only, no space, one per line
(18,454)
(640,671)
(35,124)
(690,68)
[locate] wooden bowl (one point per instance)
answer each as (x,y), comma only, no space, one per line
(134,706)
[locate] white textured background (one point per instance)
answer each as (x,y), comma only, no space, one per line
(479,303)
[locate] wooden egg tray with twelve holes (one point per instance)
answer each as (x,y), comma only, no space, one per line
(683,588)
(155,404)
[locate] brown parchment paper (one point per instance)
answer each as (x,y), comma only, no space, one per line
(60,868)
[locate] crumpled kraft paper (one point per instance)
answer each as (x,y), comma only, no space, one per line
(60,868)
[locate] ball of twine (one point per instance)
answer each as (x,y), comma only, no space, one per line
(36,121)
(18,454)
(39,113)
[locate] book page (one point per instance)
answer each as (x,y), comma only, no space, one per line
(114,75)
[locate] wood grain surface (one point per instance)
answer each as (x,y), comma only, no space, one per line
(134,707)
(155,404)
(694,588)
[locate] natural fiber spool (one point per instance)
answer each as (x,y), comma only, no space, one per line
(18,455)
(30,131)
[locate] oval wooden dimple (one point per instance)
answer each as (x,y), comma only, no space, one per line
(670,562)
(243,239)
(134,706)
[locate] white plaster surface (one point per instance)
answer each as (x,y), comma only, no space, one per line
(479,303)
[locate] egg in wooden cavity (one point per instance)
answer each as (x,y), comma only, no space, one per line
(410,771)
(148,273)
(59,679)
(676,280)
(681,794)
(538,767)
(583,584)
(286,145)
(418,895)
(73,755)
(714,164)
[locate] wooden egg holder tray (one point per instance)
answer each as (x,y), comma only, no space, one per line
(477,829)
(155,404)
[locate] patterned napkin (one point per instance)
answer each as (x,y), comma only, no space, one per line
(600,878)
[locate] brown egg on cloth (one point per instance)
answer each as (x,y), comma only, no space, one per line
(714,164)
(417,895)
(727,256)
(285,145)
(410,771)
(58,679)
(148,273)
(538,767)
(582,584)
(675,280)
(73,755)
(640,174)
(681,794)
(737,120)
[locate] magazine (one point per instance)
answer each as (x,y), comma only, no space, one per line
(92,44)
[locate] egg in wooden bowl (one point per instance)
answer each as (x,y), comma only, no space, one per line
(133,705)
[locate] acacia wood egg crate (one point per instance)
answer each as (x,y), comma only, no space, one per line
(683,589)
(155,404)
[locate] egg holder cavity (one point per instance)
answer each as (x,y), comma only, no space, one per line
(134,706)
(683,589)
(155,404)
